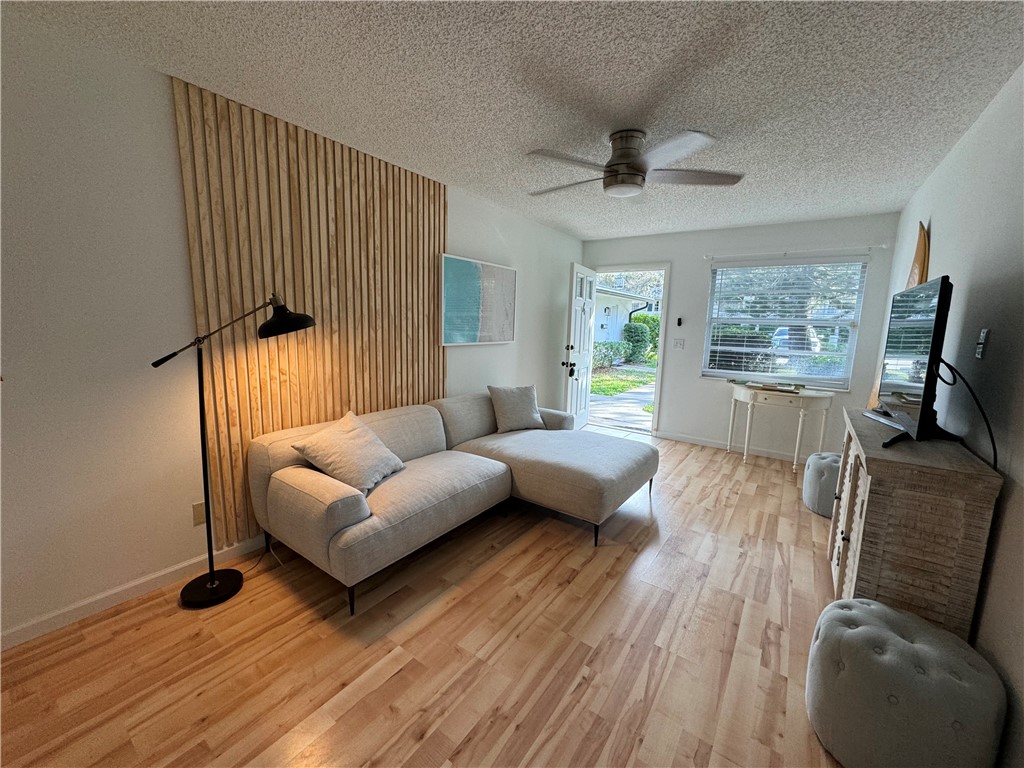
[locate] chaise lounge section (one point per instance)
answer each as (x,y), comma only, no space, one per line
(581,474)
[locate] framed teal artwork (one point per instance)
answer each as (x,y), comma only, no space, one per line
(478,302)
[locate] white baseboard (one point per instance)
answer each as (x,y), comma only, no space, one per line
(788,456)
(90,605)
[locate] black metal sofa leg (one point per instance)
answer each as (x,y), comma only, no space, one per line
(351,601)
(266,542)
(597,528)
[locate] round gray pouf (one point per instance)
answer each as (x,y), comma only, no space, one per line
(821,477)
(887,688)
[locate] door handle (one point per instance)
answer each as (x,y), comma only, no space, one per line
(572,370)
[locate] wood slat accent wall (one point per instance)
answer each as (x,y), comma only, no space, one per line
(350,239)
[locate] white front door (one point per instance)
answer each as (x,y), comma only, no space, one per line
(579,346)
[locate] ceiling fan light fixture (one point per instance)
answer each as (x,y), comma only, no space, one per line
(623,184)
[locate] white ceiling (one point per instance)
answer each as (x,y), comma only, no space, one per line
(830,109)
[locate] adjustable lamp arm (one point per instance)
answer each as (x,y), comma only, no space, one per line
(201,339)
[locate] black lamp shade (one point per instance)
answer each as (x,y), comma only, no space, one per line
(284,321)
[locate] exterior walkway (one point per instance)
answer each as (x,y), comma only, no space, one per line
(624,410)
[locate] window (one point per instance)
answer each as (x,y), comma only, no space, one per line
(794,323)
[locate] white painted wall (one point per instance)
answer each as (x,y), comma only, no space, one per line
(480,230)
(101,451)
(696,409)
(973,202)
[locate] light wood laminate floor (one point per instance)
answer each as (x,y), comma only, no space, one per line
(681,640)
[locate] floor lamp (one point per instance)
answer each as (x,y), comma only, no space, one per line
(216,586)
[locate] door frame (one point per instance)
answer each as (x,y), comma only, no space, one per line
(660,266)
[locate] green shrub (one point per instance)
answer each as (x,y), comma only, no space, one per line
(653,323)
(637,336)
(607,353)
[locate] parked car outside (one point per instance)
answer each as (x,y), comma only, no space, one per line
(781,340)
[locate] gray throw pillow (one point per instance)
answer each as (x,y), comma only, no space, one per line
(351,452)
(515,408)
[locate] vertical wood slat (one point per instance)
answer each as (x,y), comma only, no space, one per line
(344,236)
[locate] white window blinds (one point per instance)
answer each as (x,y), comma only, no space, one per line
(794,323)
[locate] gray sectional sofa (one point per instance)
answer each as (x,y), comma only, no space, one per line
(457,465)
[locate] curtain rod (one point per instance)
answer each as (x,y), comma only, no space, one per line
(809,252)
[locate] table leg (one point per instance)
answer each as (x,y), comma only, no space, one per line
(732,422)
(746,438)
(799,435)
(821,439)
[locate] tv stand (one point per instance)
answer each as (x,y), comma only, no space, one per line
(910,523)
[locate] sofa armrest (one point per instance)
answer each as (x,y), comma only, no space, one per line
(557,419)
(306,508)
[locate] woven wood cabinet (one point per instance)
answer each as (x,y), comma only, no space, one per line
(910,523)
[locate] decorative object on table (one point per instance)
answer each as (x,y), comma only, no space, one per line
(886,687)
(821,476)
(478,302)
(216,586)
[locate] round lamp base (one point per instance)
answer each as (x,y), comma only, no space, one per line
(211,589)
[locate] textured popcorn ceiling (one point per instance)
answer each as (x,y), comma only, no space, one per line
(830,109)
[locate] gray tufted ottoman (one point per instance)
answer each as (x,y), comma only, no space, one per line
(821,476)
(887,688)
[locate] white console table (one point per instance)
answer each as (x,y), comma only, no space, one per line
(805,400)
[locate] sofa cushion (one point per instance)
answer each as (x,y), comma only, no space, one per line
(410,432)
(466,417)
(515,408)
(350,452)
(432,495)
(583,474)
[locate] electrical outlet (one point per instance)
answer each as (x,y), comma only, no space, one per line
(678,343)
(979,349)
(198,514)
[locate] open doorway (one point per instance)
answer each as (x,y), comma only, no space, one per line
(628,340)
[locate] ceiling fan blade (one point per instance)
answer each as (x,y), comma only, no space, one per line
(678,147)
(564,186)
(568,159)
(673,176)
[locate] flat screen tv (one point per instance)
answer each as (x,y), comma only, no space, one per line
(913,353)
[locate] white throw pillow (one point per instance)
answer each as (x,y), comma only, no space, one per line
(516,408)
(351,452)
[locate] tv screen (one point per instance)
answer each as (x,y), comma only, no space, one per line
(913,351)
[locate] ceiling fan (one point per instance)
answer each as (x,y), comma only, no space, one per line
(629,168)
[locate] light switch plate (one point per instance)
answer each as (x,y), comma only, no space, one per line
(678,343)
(198,514)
